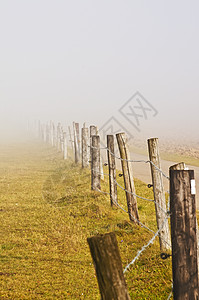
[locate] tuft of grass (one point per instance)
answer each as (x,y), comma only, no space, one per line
(47,211)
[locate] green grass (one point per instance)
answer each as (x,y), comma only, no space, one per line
(47,211)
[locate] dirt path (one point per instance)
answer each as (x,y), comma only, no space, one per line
(142,171)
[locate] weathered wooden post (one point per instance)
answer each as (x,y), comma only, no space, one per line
(59,137)
(178,166)
(93,131)
(159,195)
(95,164)
(112,169)
(182,166)
(128,178)
(78,138)
(75,143)
(64,145)
(62,139)
(85,150)
(183,235)
(108,266)
(54,135)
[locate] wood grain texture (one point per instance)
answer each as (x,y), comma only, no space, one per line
(112,169)
(183,234)
(128,178)
(108,267)
(159,195)
(95,164)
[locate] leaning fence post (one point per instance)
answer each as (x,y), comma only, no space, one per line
(112,169)
(128,177)
(159,195)
(108,266)
(183,234)
(95,163)
(85,150)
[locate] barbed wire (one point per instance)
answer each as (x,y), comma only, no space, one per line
(135,195)
(155,234)
(150,200)
(133,161)
(170,295)
(147,245)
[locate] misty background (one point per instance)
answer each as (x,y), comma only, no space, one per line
(82,60)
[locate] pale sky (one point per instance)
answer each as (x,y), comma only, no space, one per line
(82,60)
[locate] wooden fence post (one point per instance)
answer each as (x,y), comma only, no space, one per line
(85,150)
(93,131)
(183,235)
(62,140)
(64,145)
(108,266)
(182,166)
(159,195)
(59,137)
(128,178)
(75,143)
(78,138)
(95,164)
(112,169)
(53,135)
(178,166)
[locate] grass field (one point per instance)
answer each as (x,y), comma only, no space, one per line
(47,211)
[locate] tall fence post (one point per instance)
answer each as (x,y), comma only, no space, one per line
(112,169)
(62,140)
(182,166)
(159,195)
(85,149)
(108,266)
(128,178)
(183,234)
(59,137)
(93,131)
(95,164)
(75,143)
(78,138)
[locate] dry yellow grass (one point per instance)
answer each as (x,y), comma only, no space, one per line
(47,211)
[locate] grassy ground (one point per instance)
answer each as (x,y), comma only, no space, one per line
(47,211)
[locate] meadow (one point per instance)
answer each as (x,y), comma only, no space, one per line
(47,211)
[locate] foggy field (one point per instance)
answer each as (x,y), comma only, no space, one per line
(47,211)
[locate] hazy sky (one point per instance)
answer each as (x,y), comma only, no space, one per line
(82,60)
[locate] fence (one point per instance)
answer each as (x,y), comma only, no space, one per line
(181,209)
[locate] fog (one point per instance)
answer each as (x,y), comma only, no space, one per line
(83,60)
